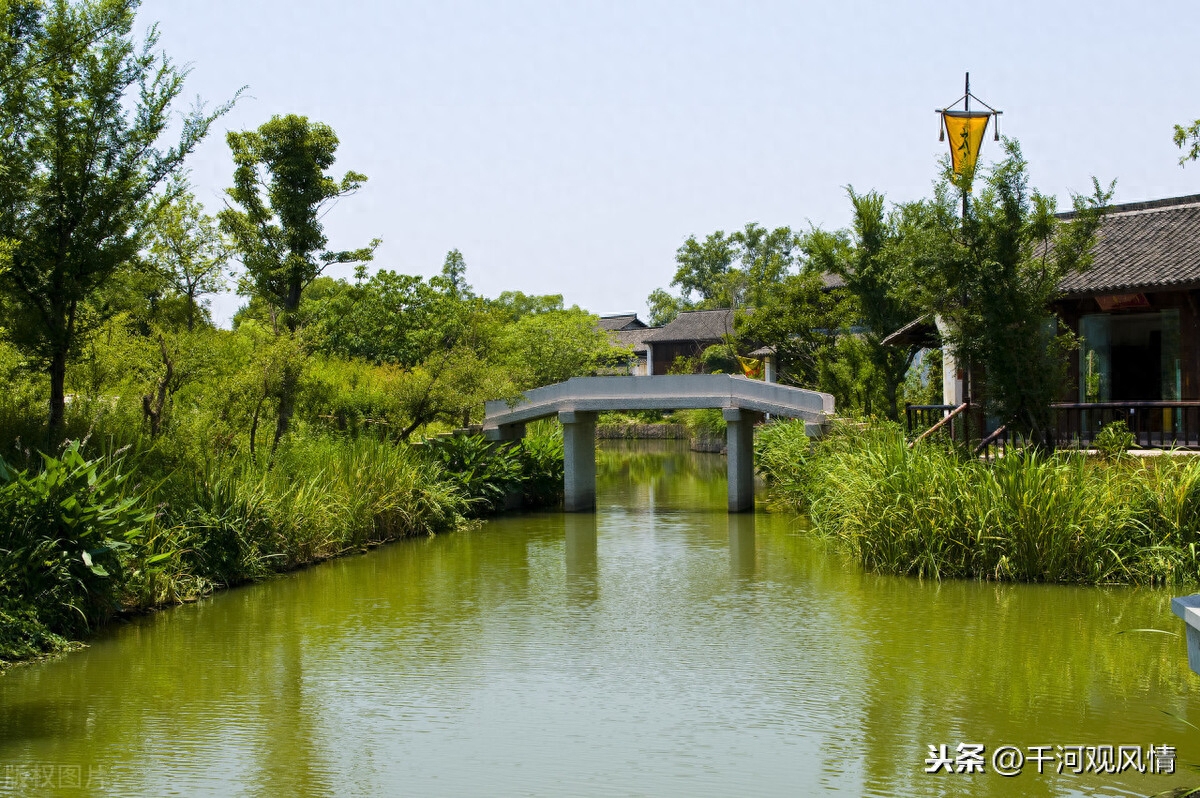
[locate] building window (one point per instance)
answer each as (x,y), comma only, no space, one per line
(1129,357)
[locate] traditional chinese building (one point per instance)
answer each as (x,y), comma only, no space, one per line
(626,329)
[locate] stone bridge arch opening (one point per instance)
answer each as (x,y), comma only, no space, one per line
(577,402)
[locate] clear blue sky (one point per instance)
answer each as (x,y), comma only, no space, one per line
(570,147)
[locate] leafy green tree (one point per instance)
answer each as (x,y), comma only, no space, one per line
(82,109)
(280,187)
(545,348)
(735,270)
(800,320)
(188,250)
(866,259)
(514,305)
(1188,137)
(991,277)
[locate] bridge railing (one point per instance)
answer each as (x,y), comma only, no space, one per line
(672,392)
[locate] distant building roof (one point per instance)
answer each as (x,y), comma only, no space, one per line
(831,280)
(622,321)
(635,339)
(695,325)
(1143,246)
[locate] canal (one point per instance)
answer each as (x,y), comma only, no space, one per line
(659,647)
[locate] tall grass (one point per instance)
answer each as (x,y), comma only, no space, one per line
(931,511)
(123,522)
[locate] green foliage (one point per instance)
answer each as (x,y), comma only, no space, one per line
(540,456)
(189,252)
(66,534)
(782,454)
(801,321)
(1188,139)
(923,383)
(740,269)
(82,107)
(1114,439)
(545,348)
(281,187)
(931,511)
(720,359)
(700,423)
(991,277)
(684,365)
(868,261)
(847,371)
(483,471)
(278,235)
(488,473)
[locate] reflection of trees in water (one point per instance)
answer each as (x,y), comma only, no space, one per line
(291,675)
(667,474)
(246,670)
(1024,665)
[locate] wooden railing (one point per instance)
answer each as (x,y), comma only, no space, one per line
(960,423)
(1154,424)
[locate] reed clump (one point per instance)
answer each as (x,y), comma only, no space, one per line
(935,511)
(120,522)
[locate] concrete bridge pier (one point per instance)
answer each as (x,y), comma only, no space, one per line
(740,452)
(579,461)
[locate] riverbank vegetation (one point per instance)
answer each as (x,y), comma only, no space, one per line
(934,511)
(148,457)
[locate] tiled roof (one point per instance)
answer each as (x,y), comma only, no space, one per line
(635,339)
(1143,246)
(831,280)
(695,325)
(622,321)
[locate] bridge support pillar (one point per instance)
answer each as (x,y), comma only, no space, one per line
(740,455)
(579,461)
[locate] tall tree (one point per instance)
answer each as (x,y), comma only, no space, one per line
(866,260)
(280,186)
(82,109)
(733,270)
(188,250)
(991,277)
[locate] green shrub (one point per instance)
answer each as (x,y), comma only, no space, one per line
(934,511)
(1114,439)
(67,533)
(701,423)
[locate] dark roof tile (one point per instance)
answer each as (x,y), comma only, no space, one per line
(1143,246)
(622,321)
(695,325)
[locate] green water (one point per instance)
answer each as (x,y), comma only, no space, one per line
(659,647)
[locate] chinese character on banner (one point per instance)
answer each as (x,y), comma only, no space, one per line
(1040,754)
(1129,757)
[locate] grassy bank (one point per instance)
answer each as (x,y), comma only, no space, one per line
(118,522)
(931,511)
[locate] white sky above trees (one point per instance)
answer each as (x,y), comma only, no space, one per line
(570,147)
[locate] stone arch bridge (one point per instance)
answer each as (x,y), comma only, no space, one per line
(577,402)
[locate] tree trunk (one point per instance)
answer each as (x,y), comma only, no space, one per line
(287,404)
(58,378)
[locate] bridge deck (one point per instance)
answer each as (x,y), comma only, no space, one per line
(681,392)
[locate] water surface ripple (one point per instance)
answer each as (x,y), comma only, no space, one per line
(659,647)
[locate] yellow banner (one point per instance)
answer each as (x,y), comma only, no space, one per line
(965,130)
(751,367)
